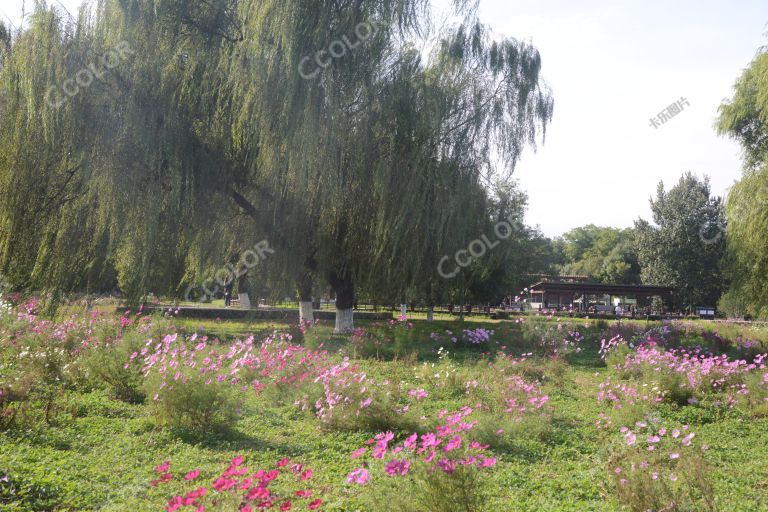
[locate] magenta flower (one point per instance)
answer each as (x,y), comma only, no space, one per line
(398,467)
(452,444)
(418,394)
(488,462)
(359,476)
(447,465)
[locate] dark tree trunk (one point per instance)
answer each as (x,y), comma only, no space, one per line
(304,291)
(345,299)
(304,288)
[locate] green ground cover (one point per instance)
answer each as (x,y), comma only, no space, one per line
(97,448)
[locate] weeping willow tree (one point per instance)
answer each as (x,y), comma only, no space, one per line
(211,135)
(745,119)
(49,226)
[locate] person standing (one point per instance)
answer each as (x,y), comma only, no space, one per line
(228,293)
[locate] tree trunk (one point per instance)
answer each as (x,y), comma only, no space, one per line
(242,292)
(345,299)
(403,311)
(306,310)
(431,314)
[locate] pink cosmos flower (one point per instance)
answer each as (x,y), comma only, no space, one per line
(488,462)
(379,451)
(418,394)
(359,476)
(192,475)
(358,453)
(398,467)
(452,444)
(447,465)
(315,504)
(260,493)
(429,440)
(385,437)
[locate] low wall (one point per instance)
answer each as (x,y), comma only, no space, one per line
(288,315)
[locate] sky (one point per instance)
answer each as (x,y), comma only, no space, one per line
(612,66)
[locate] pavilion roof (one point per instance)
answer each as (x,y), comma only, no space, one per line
(554,286)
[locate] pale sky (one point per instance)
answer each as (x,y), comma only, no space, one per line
(612,66)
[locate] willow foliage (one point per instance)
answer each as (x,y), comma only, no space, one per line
(211,136)
(745,119)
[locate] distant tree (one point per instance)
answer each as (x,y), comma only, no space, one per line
(684,246)
(605,254)
(745,119)
(501,271)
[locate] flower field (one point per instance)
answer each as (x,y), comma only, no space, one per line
(100,411)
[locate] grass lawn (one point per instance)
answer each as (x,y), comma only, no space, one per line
(98,453)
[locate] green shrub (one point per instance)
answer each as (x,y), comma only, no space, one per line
(641,490)
(107,367)
(190,403)
(423,490)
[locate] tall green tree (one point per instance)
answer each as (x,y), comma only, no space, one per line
(744,118)
(684,246)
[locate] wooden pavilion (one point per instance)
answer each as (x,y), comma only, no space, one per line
(577,293)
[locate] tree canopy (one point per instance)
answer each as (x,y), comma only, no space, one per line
(684,246)
(147,143)
(607,255)
(745,119)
